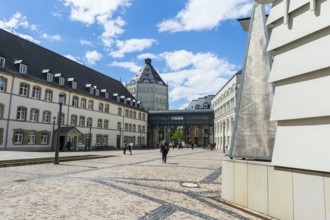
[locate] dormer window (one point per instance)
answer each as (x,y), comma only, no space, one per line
(2,62)
(91,90)
(50,77)
(97,92)
(61,81)
(106,95)
(74,84)
(22,68)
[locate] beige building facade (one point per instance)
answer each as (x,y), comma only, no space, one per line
(97,110)
(148,88)
(224,106)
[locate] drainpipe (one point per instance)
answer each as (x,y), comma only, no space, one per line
(9,110)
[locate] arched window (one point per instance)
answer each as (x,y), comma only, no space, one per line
(101,107)
(34,115)
(82,121)
(83,103)
(46,117)
(21,113)
(99,123)
(89,122)
(90,105)
(75,101)
(3,84)
(24,89)
(36,91)
(48,95)
(74,120)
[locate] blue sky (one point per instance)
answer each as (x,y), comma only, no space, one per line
(195,45)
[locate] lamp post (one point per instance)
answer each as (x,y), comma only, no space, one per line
(60,102)
(52,147)
(90,137)
(224,138)
(140,137)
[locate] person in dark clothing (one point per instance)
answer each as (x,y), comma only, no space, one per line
(124,147)
(164,149)
(68,145)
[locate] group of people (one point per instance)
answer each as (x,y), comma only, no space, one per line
(129,146)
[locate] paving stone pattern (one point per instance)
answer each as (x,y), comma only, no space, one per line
(134,186)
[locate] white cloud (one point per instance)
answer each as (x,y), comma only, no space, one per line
(71,57)
(102,13)
(86,42)
(205,15)
(131,45)
(131,66)
(51,37)
(92,57)
(148,55)
(195,75)
(16,22)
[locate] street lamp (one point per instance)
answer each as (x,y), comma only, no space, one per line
(52,147)
(140,137)
(224,138)
(60,102)
(90,137)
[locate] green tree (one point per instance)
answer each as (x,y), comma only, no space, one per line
(177,135)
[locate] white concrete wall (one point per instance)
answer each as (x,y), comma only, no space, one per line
(286,194)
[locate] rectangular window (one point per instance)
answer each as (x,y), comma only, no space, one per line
(21,113)
(81,121)
(34,115)
(2,62)
(106,95)
(44,138)
(106,124)
(46,117)
(99,123)
(3,82)
(22,68)
(49,77)
(75,101)
(48,95)
(31,138)
(61,81)
(90,105)
(36,93)
(119,111)
(74,120)
(106,108)
(18,137)
(83,103)
(118,125)
(91,90)
(97,92)
(24,90)
(74,85)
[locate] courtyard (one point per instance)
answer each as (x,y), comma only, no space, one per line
(121,186)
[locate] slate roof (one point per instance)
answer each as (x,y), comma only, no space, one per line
(147,74)
(199,103)
(38,58)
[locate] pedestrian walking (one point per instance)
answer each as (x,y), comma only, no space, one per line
(130,147)
(124,147)
(164,149)
(68,145)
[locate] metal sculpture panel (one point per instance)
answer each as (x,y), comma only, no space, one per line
(254,134)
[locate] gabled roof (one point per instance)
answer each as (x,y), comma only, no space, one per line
(147,75)
(38,59)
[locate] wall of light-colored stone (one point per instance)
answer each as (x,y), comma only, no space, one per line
(282,193)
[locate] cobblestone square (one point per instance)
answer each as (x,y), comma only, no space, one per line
(134,186)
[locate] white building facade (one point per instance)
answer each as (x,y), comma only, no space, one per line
(97,110)
(224,106)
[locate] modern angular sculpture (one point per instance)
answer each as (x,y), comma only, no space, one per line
(254,134)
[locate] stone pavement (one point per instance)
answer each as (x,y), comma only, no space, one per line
(134,186)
